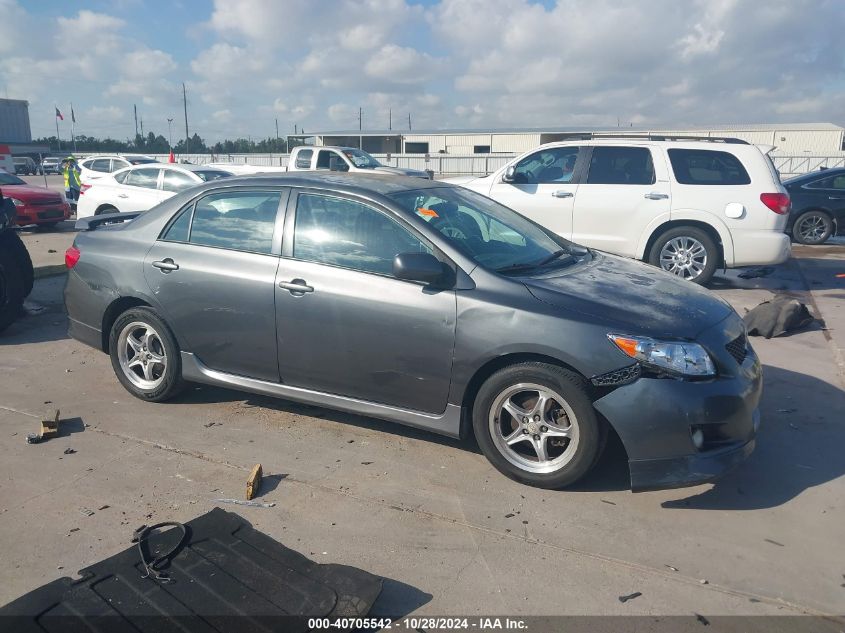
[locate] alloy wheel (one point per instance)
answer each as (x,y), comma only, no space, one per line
(683,256)
(812,228)
(534,428)
(141,355)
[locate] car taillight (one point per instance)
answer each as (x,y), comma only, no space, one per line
(83,189)
(72,256)
(777,202)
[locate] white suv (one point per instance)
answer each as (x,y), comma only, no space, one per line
(688,206)
(95,167)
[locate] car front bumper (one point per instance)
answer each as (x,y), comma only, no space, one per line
(42,215)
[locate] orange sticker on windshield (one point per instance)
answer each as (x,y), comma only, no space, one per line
(427,212)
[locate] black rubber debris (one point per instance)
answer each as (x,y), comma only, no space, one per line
(630,596)
(225,576)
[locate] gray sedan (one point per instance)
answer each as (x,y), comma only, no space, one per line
(425,304)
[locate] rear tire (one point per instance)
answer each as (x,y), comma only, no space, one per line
(145,356)
(12,285)
(12,241)
(549,444)
(687,252)
(107,209)
(812,228)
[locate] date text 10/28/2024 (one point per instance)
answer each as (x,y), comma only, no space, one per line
(420,623)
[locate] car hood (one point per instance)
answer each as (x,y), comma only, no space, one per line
(459,180)
(633,297)
(28,192)
(399,171)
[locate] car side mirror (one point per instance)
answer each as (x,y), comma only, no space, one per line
(509,174)
(337,164)
(423,267)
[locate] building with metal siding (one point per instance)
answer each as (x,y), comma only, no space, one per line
(815,139)
(14,121)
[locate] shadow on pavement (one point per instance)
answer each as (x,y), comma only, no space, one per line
(397,599)
(799,446)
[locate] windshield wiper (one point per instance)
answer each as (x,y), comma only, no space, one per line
(531,265)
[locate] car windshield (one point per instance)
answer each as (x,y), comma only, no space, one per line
(361,159)
(9,179)
(212,174)
(491,234)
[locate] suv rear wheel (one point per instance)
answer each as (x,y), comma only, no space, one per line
(686,251)
(812,227)
(536,424)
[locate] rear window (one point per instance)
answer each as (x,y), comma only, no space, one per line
(303,159)
(707,167)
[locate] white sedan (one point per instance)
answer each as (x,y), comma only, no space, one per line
(140,188)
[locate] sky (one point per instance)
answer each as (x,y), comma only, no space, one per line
(450,63)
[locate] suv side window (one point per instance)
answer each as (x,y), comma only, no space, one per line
(146,178)
(237,220)
(99,164)
(707,167)
(349,234)
(303,159)
(548,166)
(621,166)
(119,163)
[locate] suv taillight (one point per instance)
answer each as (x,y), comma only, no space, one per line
(777,202)
(72,256)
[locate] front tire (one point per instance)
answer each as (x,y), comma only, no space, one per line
(145,356)
(812,228)
(687,252)
(535,423)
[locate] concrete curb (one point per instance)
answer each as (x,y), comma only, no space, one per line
(50,271)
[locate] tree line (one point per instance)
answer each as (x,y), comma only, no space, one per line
(154,143)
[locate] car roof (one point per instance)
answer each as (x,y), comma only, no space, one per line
(346,183)
(816,175)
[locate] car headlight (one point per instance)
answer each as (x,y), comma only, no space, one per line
(681,358)
(17,203)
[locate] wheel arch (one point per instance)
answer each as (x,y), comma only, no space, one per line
(104,206)
(113,311)
(722,240)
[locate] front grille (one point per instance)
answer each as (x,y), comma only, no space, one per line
(45,202)
(617,377)
(738,348)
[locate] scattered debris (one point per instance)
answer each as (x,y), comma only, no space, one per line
(366,463)
(69,451)
(209,425)
(753,273)
(631,596)
(86,512)
(251,504)
(253,482)
(702,619)
(49,428)
(768,540)
(603,501)
(703,581)
(670,567)
(776,317)
(105,507)
(51,250)
(350,441)
(510,515)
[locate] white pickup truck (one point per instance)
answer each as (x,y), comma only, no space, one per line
(344,159)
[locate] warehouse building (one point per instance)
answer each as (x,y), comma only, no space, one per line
(15,131)
(790,139)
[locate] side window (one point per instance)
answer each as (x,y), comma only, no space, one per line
(834,182)
(324,158)
(146,178)
(552,165)
(121,177)
(176,180)
(707,167)
(239,220)
(345,233)
(99,164)
(119,163)
(303,159)
(621,166)
(179,231)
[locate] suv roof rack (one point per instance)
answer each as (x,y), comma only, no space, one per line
(660,137)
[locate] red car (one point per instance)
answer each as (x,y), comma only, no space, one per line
(35,205)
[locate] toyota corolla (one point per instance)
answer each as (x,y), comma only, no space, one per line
(424,304)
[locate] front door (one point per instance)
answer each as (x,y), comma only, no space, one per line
(625,189)
(139,191)
(543,187)
(213,272)
(346,326)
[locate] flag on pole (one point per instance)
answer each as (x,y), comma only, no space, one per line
(59,114)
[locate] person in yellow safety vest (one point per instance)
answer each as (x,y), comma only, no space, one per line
(71,174)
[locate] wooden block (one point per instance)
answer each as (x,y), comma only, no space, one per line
(253,484)
(49,428)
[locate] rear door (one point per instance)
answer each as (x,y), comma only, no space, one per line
(624,189)
(213,271)
(544,187)
(139,191)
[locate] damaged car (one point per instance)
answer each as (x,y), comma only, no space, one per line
(425,304)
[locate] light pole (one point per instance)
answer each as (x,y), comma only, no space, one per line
(170,133)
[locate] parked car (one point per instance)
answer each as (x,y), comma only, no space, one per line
(140,188)
(344,159)
(16,272)
(34,205)
(818,206)
(379,298)
(688,206)
(51,165)
(95,167)
(26,166)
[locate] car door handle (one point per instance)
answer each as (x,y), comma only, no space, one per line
(296,286)
(122,195)
(654,195)
(562,194)
(166,265)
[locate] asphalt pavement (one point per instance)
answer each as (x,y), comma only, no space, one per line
(428,513)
